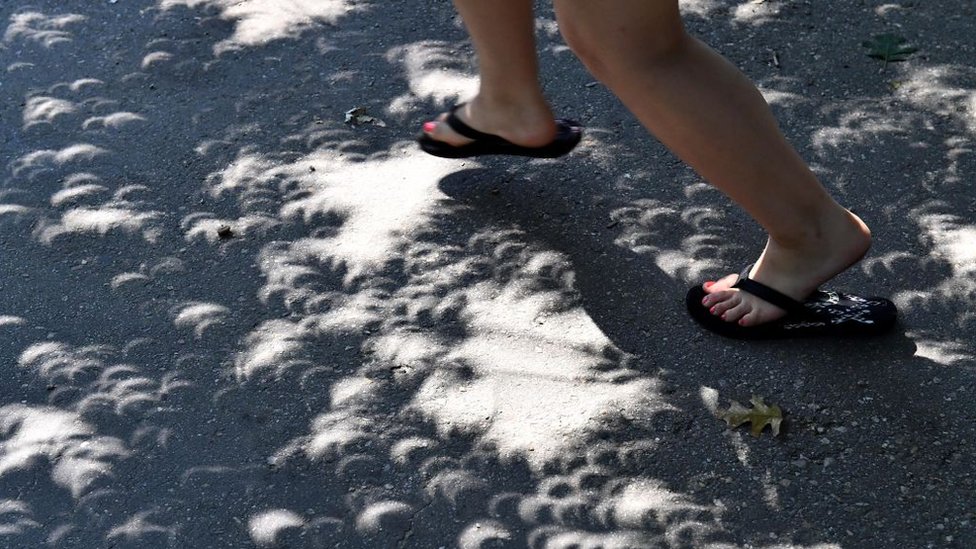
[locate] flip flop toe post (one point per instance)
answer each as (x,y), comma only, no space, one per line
(822,313)
(568,135)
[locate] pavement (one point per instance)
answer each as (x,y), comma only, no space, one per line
(234,315)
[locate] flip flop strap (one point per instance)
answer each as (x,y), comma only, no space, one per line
(766,293)
(467,131)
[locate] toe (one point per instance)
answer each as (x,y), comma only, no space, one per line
(718,297)
(722,284)
(749,319)
(736,313)
(439,129)
(721,307)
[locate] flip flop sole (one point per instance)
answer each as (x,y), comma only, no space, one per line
(883,317)
(569,134)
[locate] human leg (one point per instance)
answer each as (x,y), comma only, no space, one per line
(509,103)
(712,117)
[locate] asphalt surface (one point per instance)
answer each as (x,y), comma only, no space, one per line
(230,318)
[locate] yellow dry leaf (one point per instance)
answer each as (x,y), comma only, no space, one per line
(759,416)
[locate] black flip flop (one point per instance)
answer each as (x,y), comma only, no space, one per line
(568,135)
(822,313)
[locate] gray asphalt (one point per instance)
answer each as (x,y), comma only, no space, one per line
(231,319)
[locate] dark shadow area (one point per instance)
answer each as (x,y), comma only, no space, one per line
(233,319)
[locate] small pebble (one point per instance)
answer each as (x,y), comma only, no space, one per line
(224,232)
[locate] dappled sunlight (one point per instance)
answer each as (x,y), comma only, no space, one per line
(777,98)
(100,221)
(142,528)
(952,242)
(248,170)
(483,534)
(258,22)
(273,348)
(947,353)
(15,211)
(237,318)
(75,194)
(34,162)
(540,371)
(750,12)
(382,203)
(634,510)
(858,125)
(203,226)
(78,457)
(10,320)
(641,500)
(47,30)
(646,225)
(200,317)
(42,109)
(434,73)
(266,526)
(538,377)
(701,8)
(115,121)
(383,514)
(84,83)
(948,90)
(156,57)
(93,379)
(16,518)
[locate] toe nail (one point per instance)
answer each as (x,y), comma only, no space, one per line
(709,284)
(429,126)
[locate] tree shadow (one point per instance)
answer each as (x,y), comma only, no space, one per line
(233,319)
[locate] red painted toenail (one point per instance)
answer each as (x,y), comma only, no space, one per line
(708,284)
(712,310)
(429,126)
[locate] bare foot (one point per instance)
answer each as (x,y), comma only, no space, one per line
(526,123)
(793,270)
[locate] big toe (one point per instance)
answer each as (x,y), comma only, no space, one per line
(441,131)
(722,284)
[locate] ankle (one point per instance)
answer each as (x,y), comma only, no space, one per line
(510,101)
(838,229)
(525,121)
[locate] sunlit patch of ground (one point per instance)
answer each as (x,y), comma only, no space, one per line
(449,348)
(258,22)
(756,13)
(16,518)
(78,456)
(100,221)
(953,243)
(434,73)
(539,376)
(946,90)
(43,109)
(92,379)
(46,30)
(701,8)
(643,227)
